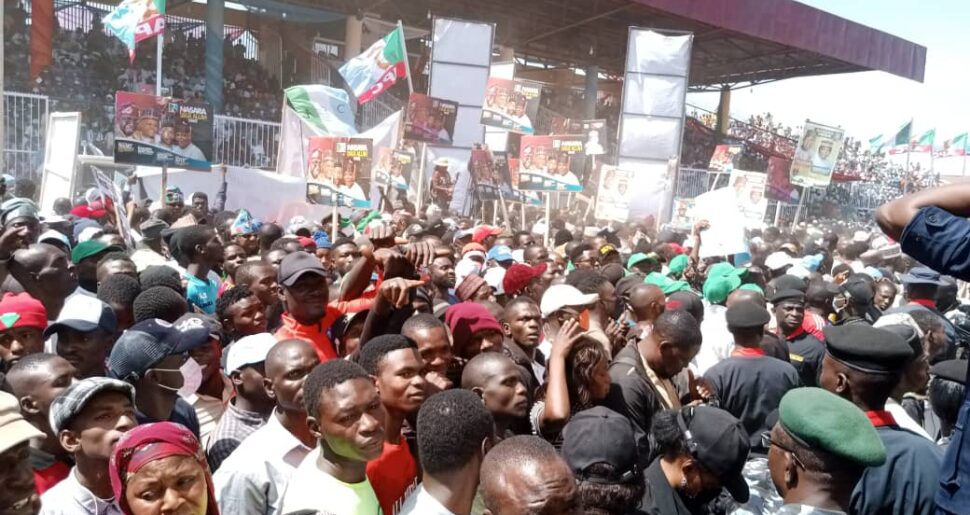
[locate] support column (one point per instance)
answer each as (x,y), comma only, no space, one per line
(724,112)
(271,48)
(41,36)
(214,52)
(506,54)
(354,33)
(589,95)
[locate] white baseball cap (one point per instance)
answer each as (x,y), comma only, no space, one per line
(559,296)
(249,350)
(778,260)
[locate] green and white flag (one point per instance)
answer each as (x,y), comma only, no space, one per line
(378,68)
(326,109)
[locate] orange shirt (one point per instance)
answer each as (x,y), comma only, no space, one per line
(316,334)
(392,475)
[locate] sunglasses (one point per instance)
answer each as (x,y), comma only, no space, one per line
(767,442)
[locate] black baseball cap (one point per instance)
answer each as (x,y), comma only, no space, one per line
(747,314)
(857,291)
(601,435)
(718,441)
(296,265)
(148,342)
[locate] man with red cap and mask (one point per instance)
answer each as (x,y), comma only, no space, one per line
(525,280)
(22,323)
(485,235)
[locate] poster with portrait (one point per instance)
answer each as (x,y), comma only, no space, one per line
(749,189)
(725,158)
(511,104)
(595,133)
(393,168)
(529,198)
(682,217)
(339,171)
(816,154)
(490,171)
(779,186)
(157,131)
(430,119)
(546,163)
(613,194)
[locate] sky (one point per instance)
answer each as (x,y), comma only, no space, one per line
(867,104)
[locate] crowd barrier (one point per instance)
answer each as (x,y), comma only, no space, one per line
(24,125)
(245,142)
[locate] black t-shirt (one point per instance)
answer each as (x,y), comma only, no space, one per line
(183,413)
(806,352)
(750,388)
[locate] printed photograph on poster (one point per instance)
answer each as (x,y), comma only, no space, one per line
(749,190)
(779,186)
(546,163)
(595,132)
(563,125)
(393,168)
(683,217)
(511,104)
(338,171)
(725,158)
(491,174)
(815,155)
(156,131)
(430,119)
(613,195)
(529,198)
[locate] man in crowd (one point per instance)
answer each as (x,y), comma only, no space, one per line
(83,334)
(525,473)
(46,273)
(253,478)
(522,324)
(22,323)
(434,345)
(455,431)
(18,494)
(805,351)
(306,295)
(495,378)
(862,364)
(560,303)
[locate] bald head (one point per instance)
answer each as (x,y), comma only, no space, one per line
(745,296)
(286,351)
(525,474)
(46,273)
(483,367)
(535,254)
(647,302)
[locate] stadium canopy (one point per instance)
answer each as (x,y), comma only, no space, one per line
(737,42)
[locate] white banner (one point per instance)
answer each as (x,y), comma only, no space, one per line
(725,236)
(652,117)
(613,194)
(461,54)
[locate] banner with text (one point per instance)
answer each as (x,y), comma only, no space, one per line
(815,156)
(339,171)
(511,104)
(546,163)
(613,195)
(156,131)
(749,189)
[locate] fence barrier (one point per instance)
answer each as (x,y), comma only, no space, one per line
(245,142)
(24,126)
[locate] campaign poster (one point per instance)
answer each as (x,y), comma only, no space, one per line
(725,158)
(393,168)
(111,190)
(546,163)
(749,189)
(613,195)
(157,131)
(683,217)
(338,171)
(779,186)
(725,235)
(595,133)
(430,119)
(529,198)
(511,104)
(563,125)
(816,154)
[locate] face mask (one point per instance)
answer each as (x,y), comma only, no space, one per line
(191,378)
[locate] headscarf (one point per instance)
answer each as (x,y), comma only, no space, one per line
(17,208)
(150,442)
(243,224)
(322,240)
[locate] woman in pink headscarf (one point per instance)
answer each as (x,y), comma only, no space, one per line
(159,468)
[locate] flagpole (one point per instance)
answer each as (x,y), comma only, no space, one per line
(407,65)
(159,43)
(418,201)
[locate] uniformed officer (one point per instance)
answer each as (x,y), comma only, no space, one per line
(804,350)
(818,450)
(749,384)
(863,364)
(947,390)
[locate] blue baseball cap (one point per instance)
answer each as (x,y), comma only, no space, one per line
(500,253)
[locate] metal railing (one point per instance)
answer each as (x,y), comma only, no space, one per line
(245,142)
(24,127)
(375,111)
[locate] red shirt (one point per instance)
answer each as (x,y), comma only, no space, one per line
(393,475)
(316,334)
(46,478)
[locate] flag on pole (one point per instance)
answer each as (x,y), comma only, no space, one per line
(378,68)
(324,108)
(877,143)
(134,21)
(925,142)
(955,146)
(900,142)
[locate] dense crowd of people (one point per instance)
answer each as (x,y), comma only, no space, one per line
(212,362)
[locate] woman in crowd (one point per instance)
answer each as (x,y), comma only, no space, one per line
(161,468)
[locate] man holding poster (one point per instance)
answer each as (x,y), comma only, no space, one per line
(815,155)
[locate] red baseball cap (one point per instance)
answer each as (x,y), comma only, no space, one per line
(518,277)
(21,310)
(484,231)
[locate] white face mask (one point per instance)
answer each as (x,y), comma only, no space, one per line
(191,378)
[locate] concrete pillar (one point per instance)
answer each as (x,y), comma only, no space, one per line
(724,112)
(506,54)
(352,39)
(214,52)
(589,94)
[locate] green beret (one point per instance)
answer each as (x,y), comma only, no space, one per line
(717,288)
(821,420)
(90,248)
(637,258)
(678,264)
